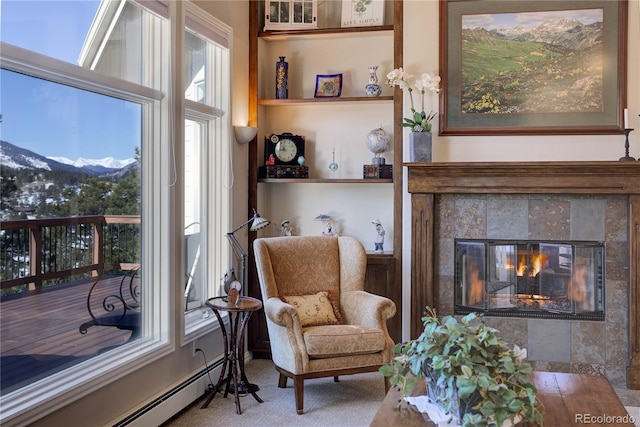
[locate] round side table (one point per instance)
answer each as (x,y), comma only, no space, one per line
(234,357)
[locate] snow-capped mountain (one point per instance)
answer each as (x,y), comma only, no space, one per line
(567,33)
(14,157)
(107,162)
(558,25)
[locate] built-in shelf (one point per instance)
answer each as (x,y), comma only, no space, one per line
(281,102)
(322,32)
(384,273)
(324,181)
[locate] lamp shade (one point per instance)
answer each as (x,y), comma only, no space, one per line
(244,134)
(259,223)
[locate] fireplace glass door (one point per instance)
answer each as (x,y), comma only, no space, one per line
(530,278)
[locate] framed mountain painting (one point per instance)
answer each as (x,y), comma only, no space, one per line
(527,67)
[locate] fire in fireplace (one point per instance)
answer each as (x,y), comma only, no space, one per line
(530,278)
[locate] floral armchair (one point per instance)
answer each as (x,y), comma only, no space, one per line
(321,322)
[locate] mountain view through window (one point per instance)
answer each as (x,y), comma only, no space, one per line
(71,148)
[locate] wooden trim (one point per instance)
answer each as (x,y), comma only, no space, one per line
(289,101)
(276,34)
(525,178)
(633,372)
(324,181)
(398,18)
(422,213)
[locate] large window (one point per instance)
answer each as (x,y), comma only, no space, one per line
(87,81)
(78,150)
(206,197)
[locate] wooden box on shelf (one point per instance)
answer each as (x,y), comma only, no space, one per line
(282,171)
(378,171)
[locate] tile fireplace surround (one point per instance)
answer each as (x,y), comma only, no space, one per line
(598,201)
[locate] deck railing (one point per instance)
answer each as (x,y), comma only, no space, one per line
(33,252)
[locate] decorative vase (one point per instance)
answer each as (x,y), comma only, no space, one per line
(420,146)
(373,88)
(282,75)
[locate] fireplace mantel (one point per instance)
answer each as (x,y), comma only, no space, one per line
(525,178)
(426,180)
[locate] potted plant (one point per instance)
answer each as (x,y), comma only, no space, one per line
(469,370)
(420,121)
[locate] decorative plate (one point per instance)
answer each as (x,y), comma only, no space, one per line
(328,85)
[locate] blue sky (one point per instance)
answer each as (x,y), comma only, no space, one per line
(51,119)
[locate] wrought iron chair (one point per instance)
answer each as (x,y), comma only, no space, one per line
(119,307)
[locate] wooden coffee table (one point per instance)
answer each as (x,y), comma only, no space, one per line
(568,399)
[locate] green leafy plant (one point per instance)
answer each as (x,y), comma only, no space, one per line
(475,370)
(420,121)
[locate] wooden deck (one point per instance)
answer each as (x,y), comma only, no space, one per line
(40,332)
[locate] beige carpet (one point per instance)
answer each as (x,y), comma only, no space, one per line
(351,402)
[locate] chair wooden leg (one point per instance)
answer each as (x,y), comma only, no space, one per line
(282,381)
(335,379)
(298,388)
(387,384)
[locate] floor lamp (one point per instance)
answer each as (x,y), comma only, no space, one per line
(257,223)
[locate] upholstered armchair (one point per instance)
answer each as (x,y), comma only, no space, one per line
(321,322)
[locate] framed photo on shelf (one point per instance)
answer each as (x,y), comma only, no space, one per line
(328,86)
(532,67)
(362,13)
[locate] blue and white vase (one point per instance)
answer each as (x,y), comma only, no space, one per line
(282,75)
(373,88)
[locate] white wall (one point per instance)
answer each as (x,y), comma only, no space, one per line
(421,44)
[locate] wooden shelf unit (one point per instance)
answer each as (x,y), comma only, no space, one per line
(384,270)
(324,181)
(280,102)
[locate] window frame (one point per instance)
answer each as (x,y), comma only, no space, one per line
(37,399)
(164,111)
(214,113)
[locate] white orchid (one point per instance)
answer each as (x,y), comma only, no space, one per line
(420,122)
(428,81)
(399,78)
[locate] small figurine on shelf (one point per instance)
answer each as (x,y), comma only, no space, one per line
(285,229)
(379,240)
(333,166)
(328,229)
(327,225)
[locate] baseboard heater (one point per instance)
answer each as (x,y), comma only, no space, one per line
(174,400)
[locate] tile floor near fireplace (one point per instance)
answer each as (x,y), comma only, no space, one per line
(582,346)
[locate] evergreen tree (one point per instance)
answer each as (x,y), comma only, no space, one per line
(8,189)
(91,200)
(125,197)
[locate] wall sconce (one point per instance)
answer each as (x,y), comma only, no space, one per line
(244,134)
